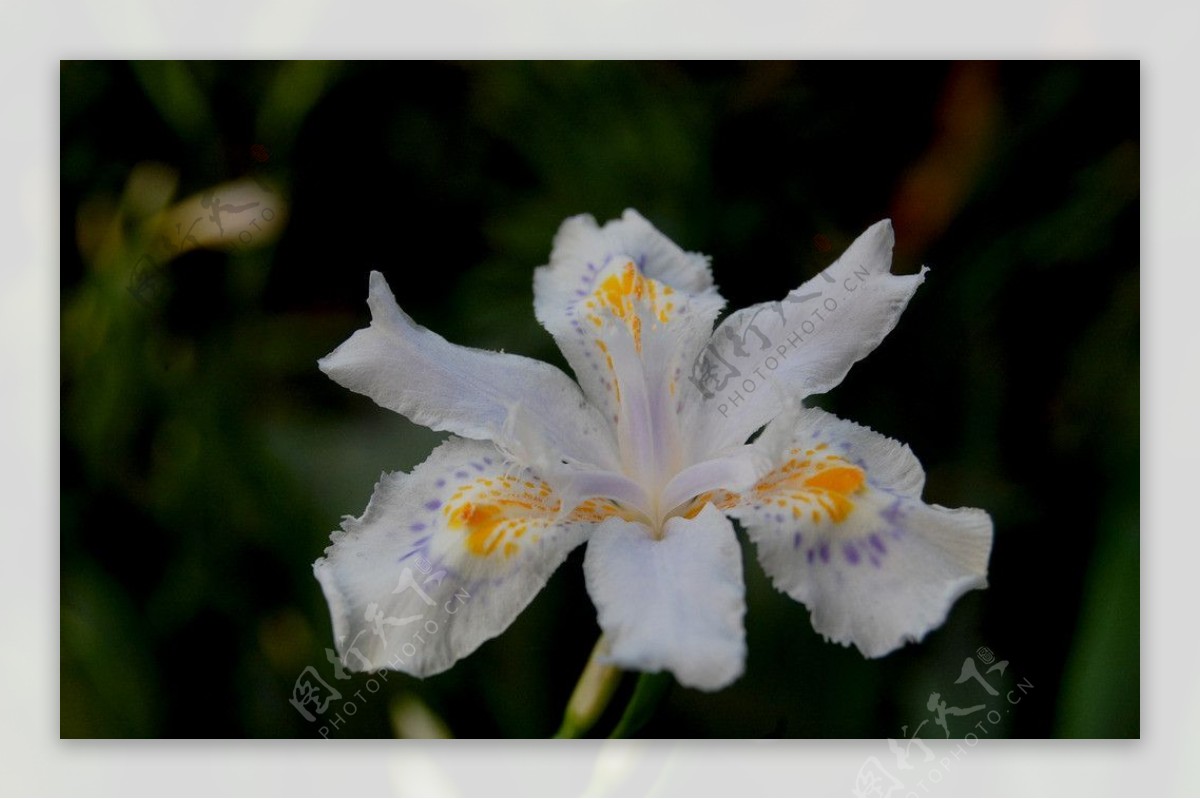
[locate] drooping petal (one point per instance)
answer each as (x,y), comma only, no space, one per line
(445,558)
(629,310)
(840,526)
(675,603)
(528,408)
(762,357)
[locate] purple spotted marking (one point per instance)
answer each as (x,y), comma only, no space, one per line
(779,518)
(441,482)
(406,556)
(477,466)
(811,554)
(796,539)
(418,527)
(488,461)
(591,267)
(851,553)
(461,475)
(580,292)
(893,515)
(641,262)
(877,542)
(433,504)
(824,552)
(421,541)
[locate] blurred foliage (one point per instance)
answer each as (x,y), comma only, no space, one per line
(205,459)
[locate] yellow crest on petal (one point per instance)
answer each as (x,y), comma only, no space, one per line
(629,295)
(494,513)
(813,483)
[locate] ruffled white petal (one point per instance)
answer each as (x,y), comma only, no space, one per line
(444,558)
(528,408)
(840,526)
(765,356)
(630,311)
(583,248)
(675,603)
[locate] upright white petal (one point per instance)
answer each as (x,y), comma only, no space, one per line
(765,356)
(583,248)
(445,558)
(530,409)
(675,603)
(840,526)
(630,311)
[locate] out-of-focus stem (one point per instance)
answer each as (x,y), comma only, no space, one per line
(590,697)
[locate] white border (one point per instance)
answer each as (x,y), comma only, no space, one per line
(35,36)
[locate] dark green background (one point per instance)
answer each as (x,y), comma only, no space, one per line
(205,459)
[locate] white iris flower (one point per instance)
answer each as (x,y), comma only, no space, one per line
(646,460)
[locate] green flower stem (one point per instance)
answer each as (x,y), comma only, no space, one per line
(591,695)
(650,690)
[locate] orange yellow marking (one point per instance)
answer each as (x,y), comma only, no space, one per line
(608,359)
(829,484)
(493,519)
(724,500)
(599,509)
(628,295)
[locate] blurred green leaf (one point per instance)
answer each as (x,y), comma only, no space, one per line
(178,97)
(1102,682)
